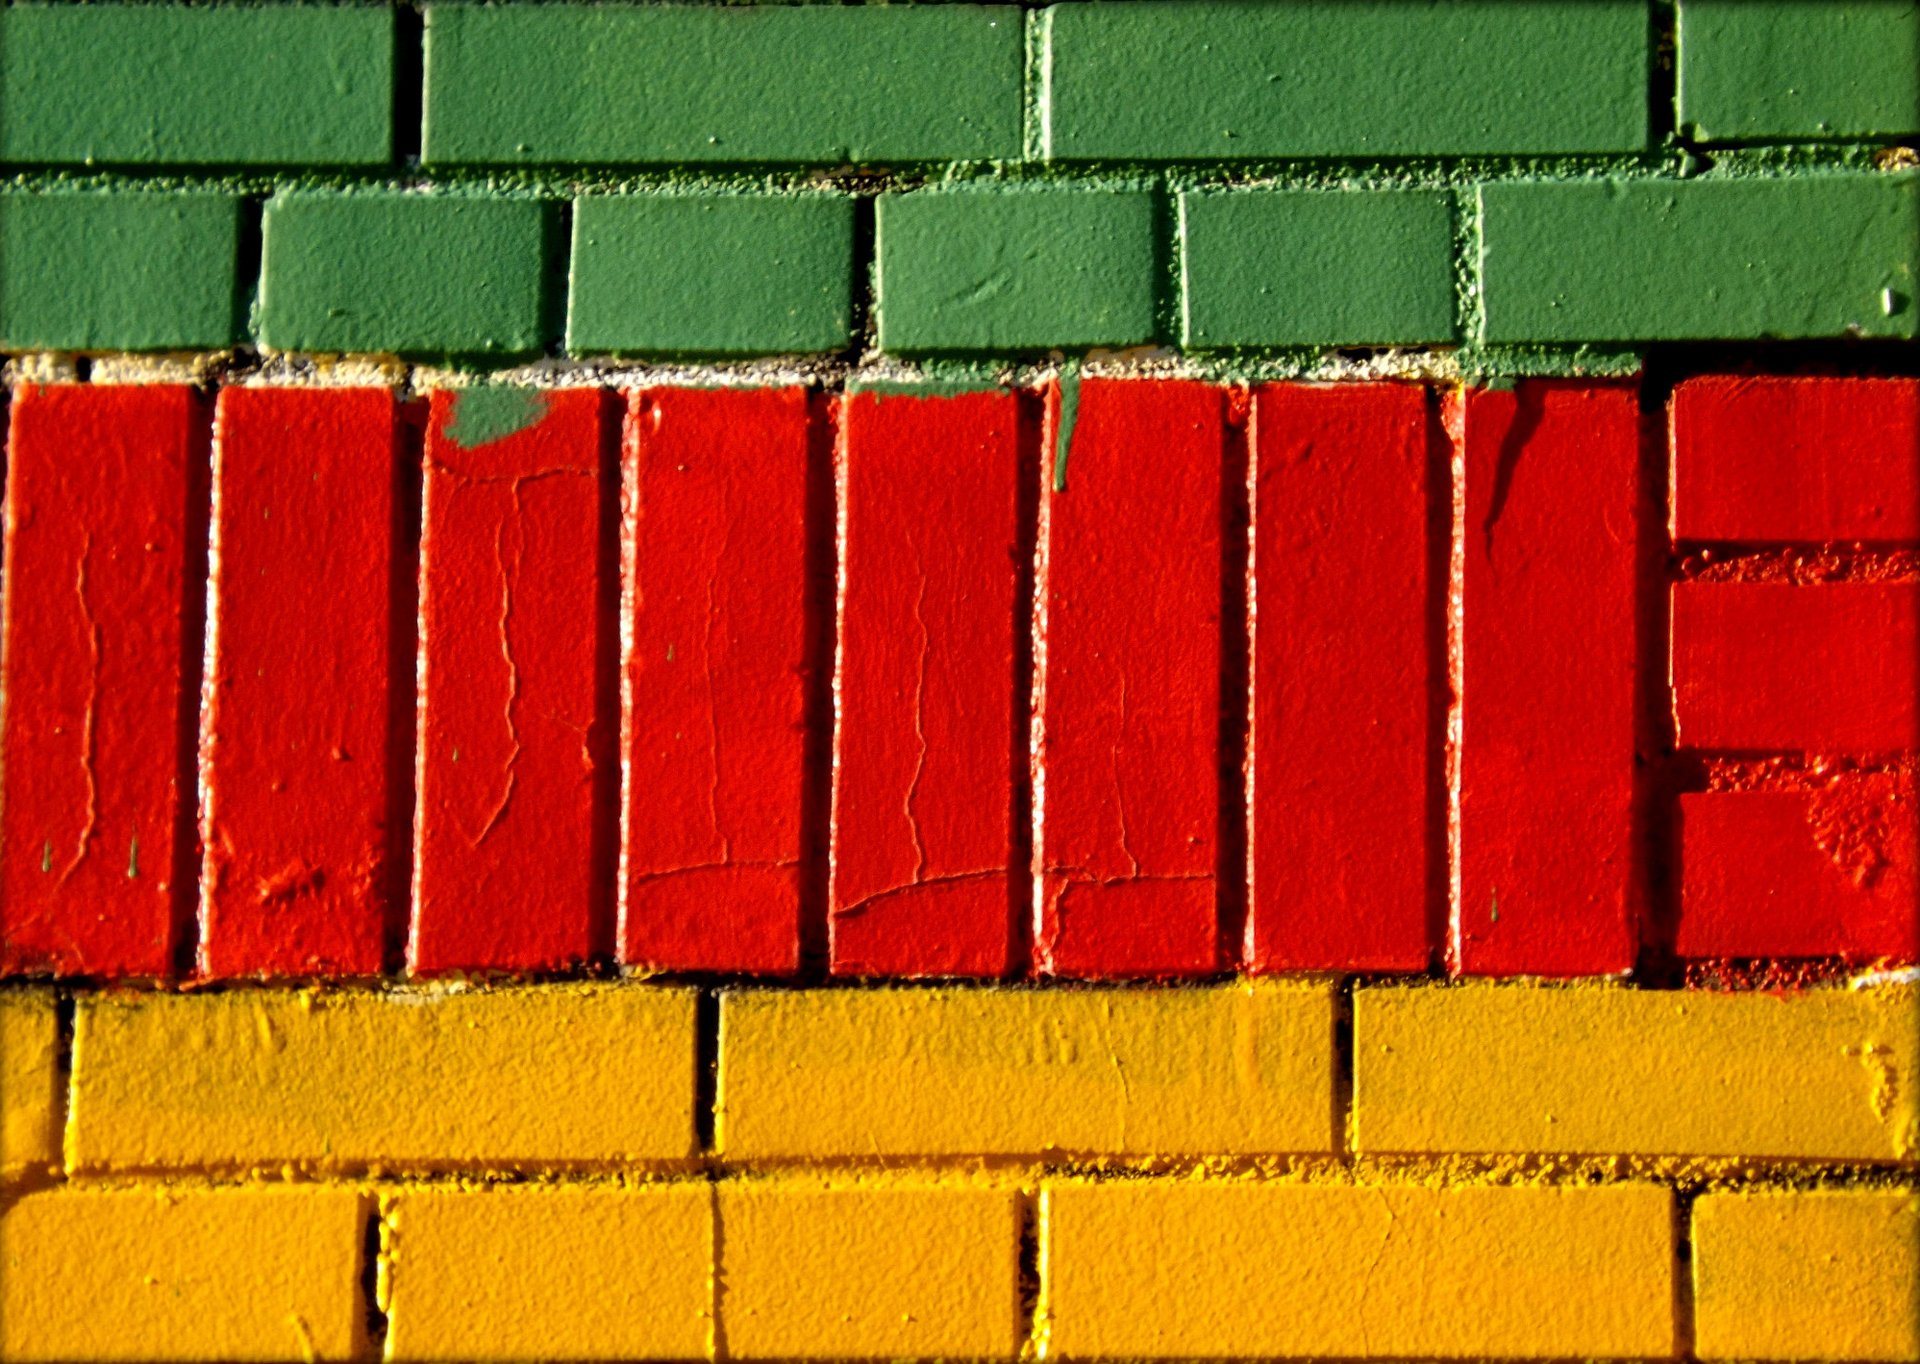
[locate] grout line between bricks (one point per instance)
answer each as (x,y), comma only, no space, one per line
(404,643)
(823,549)
(1685,1340)
(1234,946)
(603,932)
(196,588)
(65,1019)
(1029,460)
(409,84)
(376,1272)
(1031,1329)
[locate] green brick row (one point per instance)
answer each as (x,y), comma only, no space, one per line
(295,84)
(972,270)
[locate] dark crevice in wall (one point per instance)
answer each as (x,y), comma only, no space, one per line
(65,1016)
(1168,249)
(822,575)
(1027,1268)
(1655,794)
(1440,697)
(1236,656)
(706,1070)
(603,740)
(185,867)
(1683,1298)
(403,644)
(556,278)
(1662,74)
(1343,1069)
(374,1234)
(716,1273)
(249,246)
(1031,460)
(864,316)
(409,83)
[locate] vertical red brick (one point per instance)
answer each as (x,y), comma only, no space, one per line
(1340,740)
(1546,533)
(1127,662)
(715,666)
(295,740)
(923,790)
(1829,872)
(1819,668)
(510,586)
(101,491)
(1796,460)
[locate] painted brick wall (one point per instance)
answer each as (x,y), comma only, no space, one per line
(1125,680)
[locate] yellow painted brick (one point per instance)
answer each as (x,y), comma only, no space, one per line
(152,1274)
(548,1076)
(812,1271)
(1212,1269)
(1829,1275)
(29,1083)
(1242,1069)
(1823,1074)
(526,1272)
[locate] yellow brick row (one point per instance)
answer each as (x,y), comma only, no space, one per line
(29,1083)
(571,1076)
(1195,1269)
(1833,1275)
(1821,1075)
(1236,1070)
(153,1274)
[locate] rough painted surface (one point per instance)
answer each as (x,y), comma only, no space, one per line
(929,621)
(103,486)
(1342,782)
(1239,1070)
(1547,516)
(506,874)
(714,672)
(566,1077)
(1183,1268)
(1127,660)
(29,1099)
(295,737)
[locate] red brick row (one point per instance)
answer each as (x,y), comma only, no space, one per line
(1375,629)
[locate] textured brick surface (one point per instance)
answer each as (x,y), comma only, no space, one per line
(232,1274)
(711,274)
(1832,668)
(1316,268)
(120,269)
(173,84)
(1546,877)
(1174,80)
(823,1270)
(1181,1268)
(1128,684)
(543,1273)
(926,741)
(1792,69)
(565,1077)
(1343,717)
(1242,1070)
(512,577)
(715,658)
(1825,873)
(433,274)
(1796,460)
(103,489)
(1818,1075)
(1827,1275)
(29,1080)
(1643,260)
(663,84)
(1020,270)
(295,743)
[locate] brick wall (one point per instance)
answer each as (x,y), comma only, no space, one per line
(1151,680)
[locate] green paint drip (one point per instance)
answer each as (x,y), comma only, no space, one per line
(493,412)
(1068,414)
(46,856)
(133,859)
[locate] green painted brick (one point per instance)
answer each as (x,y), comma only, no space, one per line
(117,270)
(1316,268)
(1174,79)
(1651,260)
(711,275)
(1016,270)
(1789,69)
(645,84)
(403,273)
(171,84)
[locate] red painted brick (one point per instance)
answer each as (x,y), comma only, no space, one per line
(1547,883)
(1128,662)
(504,865)
(1340,734)
(714,678)
(295,752)
(928,625)
(1824,873)
(102,490)
(1796,460)
(1826,668)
